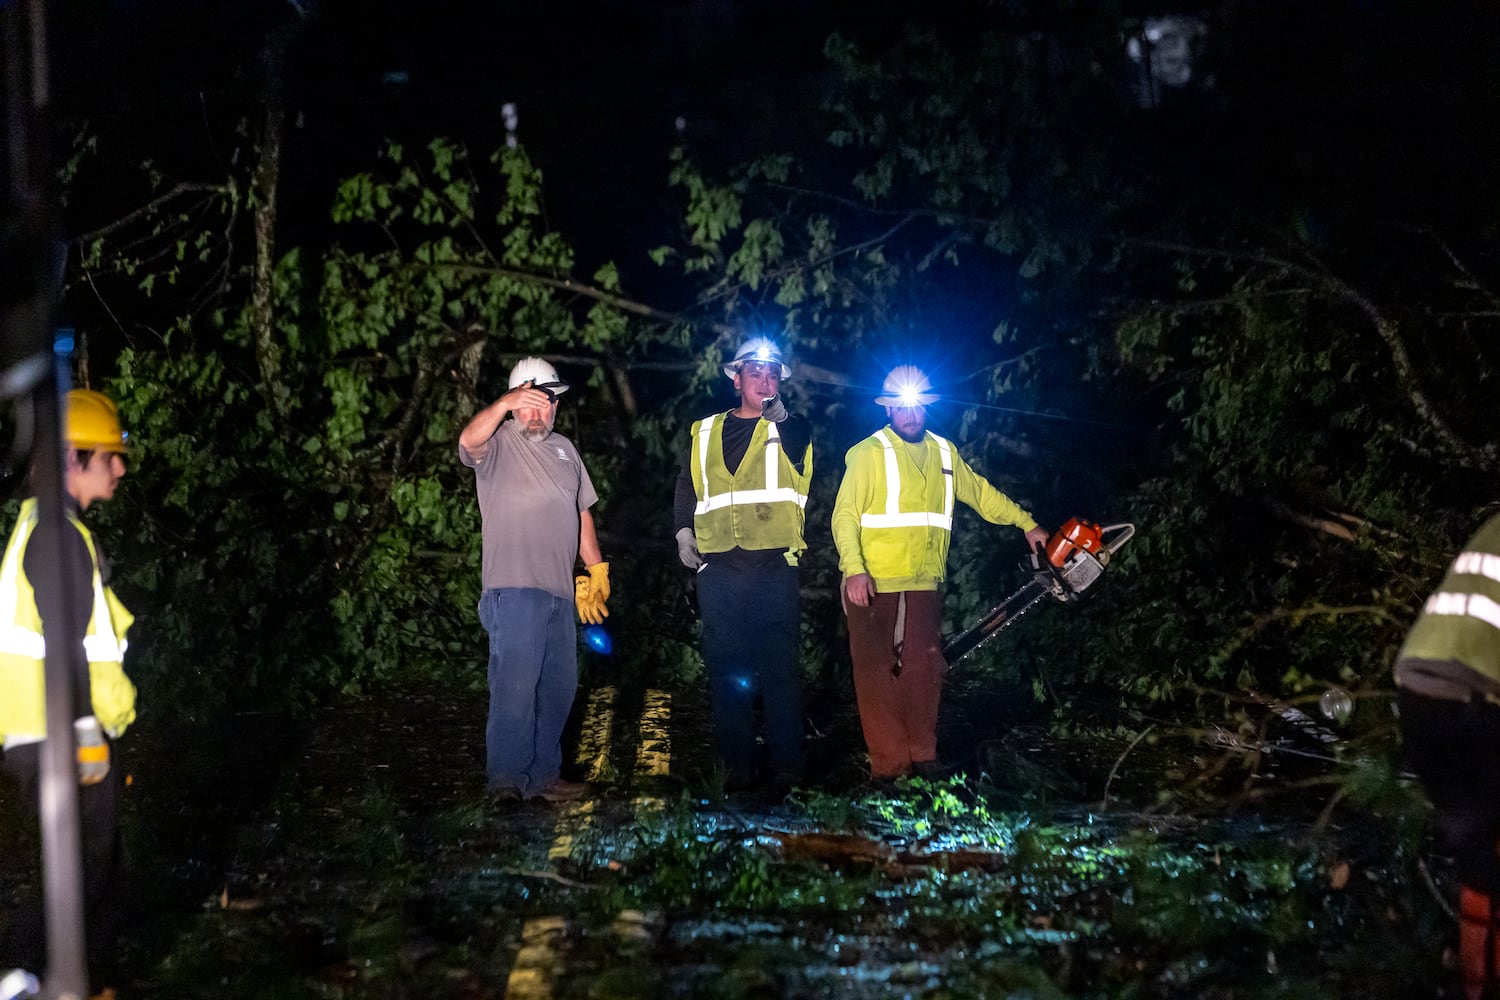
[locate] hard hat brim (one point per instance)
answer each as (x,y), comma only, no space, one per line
(556,388)
(733,368)
(920,399)
(117,447)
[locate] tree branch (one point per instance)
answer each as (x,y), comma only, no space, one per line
(1387,327)
(150,208)
(781,272)
(1470,282)
(579,288)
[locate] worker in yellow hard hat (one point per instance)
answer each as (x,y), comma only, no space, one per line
(892,522)
(104,698)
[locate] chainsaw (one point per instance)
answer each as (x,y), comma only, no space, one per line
(1074,558)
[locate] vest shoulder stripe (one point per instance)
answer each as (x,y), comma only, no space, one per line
(1466,605)
(894,517)
(1485,564)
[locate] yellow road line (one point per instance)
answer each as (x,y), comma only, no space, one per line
(573,818)
(535,969)
(593,747)
(653,757)
(534,974)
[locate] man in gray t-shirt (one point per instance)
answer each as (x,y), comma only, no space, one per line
(534,500)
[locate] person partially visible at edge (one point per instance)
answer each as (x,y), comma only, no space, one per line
(738,517)
(1447,678)
(534,499)
(892,522)
(104,697)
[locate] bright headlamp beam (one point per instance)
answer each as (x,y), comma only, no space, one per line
(908,395)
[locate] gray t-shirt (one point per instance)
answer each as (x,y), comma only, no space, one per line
(530,493)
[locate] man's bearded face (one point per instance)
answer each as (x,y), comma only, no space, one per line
(909,422)
(536,422)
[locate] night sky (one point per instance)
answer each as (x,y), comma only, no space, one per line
(603,91)
(1348,106)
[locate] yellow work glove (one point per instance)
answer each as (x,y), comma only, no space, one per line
(93,752)
(599,576)
(591,610)
(583,597)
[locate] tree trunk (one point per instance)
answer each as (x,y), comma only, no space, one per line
(468,374)
(263,198)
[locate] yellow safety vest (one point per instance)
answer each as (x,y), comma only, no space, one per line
(1453,649)
(762,506)
(23,703)
(906,536)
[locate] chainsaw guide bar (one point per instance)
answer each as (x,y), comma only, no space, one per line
(1074,558)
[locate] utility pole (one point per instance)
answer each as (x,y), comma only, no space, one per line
(31,261)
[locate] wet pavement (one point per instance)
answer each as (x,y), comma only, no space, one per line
(356,854)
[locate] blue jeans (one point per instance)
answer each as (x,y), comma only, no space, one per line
(750,630)
(533,676)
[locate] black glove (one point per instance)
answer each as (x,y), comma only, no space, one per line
(773,409)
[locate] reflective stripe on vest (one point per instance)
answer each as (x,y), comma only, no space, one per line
(100,644)
(1484,564)
(1458,624)
(1467,605)
(772,493)
(894,516)
(14,637)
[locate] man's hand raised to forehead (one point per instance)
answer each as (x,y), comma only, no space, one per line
(526,396)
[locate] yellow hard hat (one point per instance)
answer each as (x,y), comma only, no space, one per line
(93,422)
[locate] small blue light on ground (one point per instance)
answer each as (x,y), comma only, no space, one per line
(743,682)
(598,640)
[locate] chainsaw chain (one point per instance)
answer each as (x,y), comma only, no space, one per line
(1013,618)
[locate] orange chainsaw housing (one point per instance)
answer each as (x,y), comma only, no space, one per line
(1075,535)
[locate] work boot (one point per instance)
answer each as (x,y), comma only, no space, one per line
(562,791)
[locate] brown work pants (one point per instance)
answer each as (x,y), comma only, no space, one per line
(897,710)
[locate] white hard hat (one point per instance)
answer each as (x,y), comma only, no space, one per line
(539,373)
(758,349)
(906,385)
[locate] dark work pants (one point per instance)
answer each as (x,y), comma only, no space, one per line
(751,619)
(1454,747)
(898,712)
(24,943)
